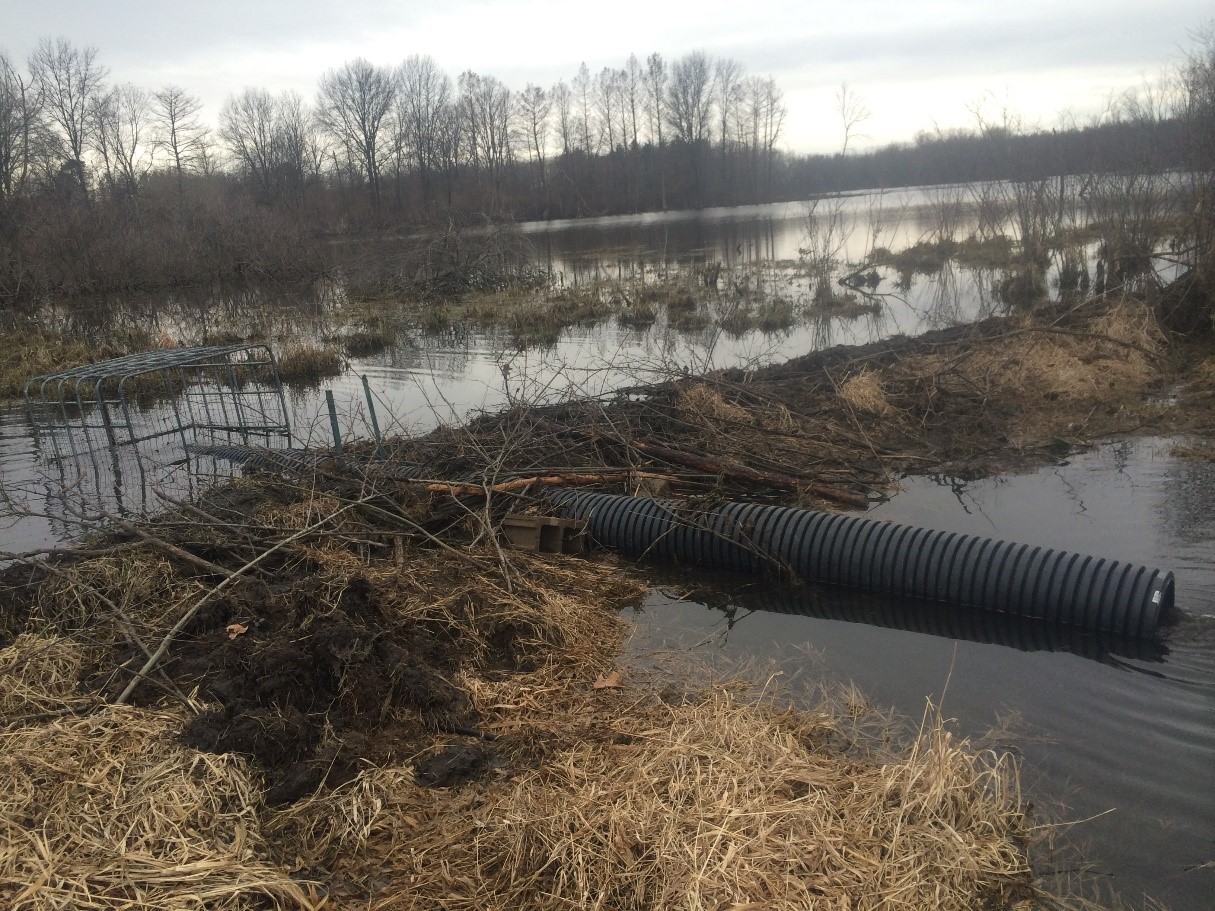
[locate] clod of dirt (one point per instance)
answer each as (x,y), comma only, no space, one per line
(455,765)
(308,682)
(273,737)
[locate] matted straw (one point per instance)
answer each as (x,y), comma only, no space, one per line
(711,803)
(863,391)
(39,675)
(108,811)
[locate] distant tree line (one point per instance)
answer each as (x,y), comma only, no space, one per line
(96,178)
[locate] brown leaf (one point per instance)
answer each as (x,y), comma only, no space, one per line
(610,681)
(236,629)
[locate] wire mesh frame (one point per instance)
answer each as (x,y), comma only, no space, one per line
(225,391)
(123,416)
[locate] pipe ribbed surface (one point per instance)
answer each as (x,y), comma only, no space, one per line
(1052,585)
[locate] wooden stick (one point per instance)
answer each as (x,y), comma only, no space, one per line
(461,490)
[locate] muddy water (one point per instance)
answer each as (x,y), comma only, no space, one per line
(1118,734)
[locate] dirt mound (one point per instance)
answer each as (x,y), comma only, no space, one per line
(328,663)
(305,683)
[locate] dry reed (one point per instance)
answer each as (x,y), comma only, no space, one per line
(863,391)
(39,675)
(702,402)
(143,585)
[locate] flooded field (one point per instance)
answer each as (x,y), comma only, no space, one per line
(1116,736)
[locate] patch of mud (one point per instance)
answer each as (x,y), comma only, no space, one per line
(311,689)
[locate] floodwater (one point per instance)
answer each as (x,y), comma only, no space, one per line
(1119,734)
(427,379)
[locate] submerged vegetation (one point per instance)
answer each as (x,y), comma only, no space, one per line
(308,364)
(32,350)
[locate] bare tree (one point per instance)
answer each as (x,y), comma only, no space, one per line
(122,136)
(656,111)
(690,109)
(19,127)
(182,134)
(1194,102)
(298,152)
(449,146)
(563,104)
(352,105)
(690,99)
(485,105)
(764,115)
(68,79)
(424,94)
(584,101)
(727,89)
(633,93)
(607,85)
(246,125)
(853,112)
(534,108)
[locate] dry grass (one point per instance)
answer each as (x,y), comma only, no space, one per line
(308,364)
(605,795)
(1036,380)
(1200,452)
(39,674)
(1116,352)
(863,391)
(1201,382)
(107,811)
(29,352)
(710,803)
(142,585)
(701,402)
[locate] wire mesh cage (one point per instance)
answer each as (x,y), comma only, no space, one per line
(113,430)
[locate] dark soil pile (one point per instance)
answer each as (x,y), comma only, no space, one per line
(322,661)
(307,684)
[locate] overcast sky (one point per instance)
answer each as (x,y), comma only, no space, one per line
(915,63)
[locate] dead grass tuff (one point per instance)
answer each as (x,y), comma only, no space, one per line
(714,802)
(308,364)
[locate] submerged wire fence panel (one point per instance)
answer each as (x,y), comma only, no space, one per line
(108,432)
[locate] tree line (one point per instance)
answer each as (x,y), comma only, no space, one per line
(386,146)
(387,140)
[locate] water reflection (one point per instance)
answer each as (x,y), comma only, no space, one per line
(941,620)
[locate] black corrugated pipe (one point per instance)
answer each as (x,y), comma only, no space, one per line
(878,556)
